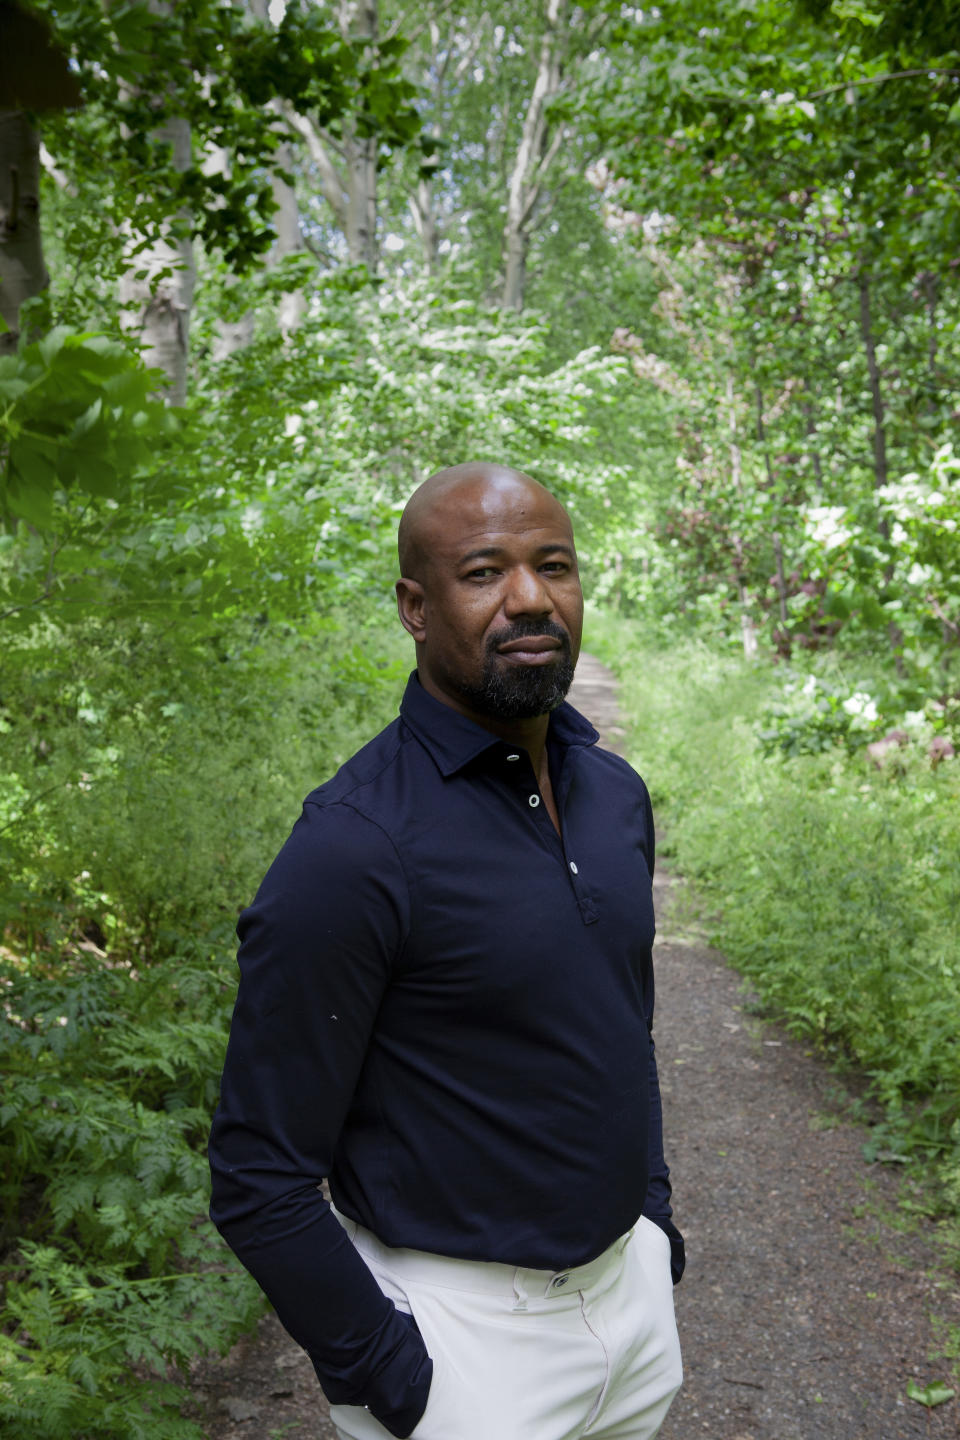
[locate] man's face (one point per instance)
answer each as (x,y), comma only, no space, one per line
(498,615)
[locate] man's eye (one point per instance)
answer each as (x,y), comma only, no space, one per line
(482,573)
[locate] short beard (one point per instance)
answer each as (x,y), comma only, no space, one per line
(521,692)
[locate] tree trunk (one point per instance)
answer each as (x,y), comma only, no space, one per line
(748,628)
(159,305)
(286,217)
(813,452)
(873,371)
(931,286)
(229,335)
(362,201)
(425,223)
(894,633)
(360,18)
(289,241)
(534,154)
(517,243)
(781,581)
(23,273)
(780,637)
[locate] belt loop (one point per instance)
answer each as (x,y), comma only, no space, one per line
(519,1290)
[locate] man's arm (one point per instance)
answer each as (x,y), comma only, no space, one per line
(657,1204)
(318,947)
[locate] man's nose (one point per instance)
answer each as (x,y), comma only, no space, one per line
(527,594)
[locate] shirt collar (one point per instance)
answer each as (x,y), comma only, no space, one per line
(453,740)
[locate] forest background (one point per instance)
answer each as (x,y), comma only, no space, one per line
(264,267)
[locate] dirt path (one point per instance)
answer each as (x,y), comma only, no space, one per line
(804,1311)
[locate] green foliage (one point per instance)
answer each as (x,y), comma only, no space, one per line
(736,368)
(835,885)
(214,65)
(109,1075)
(123,882)
(78,415)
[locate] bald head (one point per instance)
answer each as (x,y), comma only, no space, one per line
(443,503)
(490,592)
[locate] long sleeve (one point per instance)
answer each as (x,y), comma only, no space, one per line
(318,947)
(657,1204)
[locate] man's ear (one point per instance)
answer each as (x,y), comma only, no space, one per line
(411,604)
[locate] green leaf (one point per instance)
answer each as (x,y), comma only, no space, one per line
(936,1393)
(32,502)
(872,612)
(13,386)
(51,345)
(837,603)
(88,419)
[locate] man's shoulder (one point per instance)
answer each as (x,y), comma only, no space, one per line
(367,781)
(607,765)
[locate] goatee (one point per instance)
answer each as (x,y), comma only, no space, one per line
(521,692)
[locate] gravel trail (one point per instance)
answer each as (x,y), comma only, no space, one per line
(806,1306)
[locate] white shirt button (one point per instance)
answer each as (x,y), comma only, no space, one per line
(534,801)
(513,757)
(573,867)
(560,1281)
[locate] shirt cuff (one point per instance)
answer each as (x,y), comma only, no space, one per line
(397,1394)
(678,1257)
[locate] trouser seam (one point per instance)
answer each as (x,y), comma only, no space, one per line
(606,1364)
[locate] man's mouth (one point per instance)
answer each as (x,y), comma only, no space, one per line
(531,649)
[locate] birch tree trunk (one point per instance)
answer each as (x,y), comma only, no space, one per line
(157,297)
(425,223)
(22,269)
(286,217)
(156,293)
(229,335)
(289,240)
(535,152)
(360,18)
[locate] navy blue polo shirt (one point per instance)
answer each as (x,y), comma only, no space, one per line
(445,1009)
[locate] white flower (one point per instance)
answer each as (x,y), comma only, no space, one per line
(860,704)
(825,525)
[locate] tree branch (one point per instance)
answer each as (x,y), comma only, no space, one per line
(880,80)
(332,186)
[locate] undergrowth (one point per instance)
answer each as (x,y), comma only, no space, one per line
(834,877)
(130,839)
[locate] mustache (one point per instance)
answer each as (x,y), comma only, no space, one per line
(524,629)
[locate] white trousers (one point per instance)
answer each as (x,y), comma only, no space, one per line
(585,1354)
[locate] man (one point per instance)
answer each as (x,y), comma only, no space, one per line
(445,1006)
